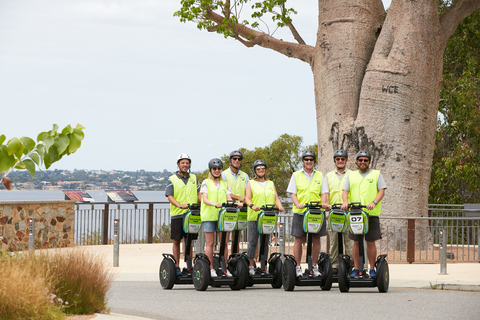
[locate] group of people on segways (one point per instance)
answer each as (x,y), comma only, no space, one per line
(222,194)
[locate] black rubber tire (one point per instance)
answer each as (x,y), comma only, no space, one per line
(289,275)
(383,277)
(239,273)
(343,282)
(327,274)
(167,273)
(276,269)
(247,276)
(201,275)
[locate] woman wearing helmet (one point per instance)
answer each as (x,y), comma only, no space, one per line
(259,192)
(214,192)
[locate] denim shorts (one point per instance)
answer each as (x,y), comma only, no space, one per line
(210,226)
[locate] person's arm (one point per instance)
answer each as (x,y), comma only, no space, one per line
(277,201)
(345,200)
(325,204)
(377,199)
(176,203)
(210,203)
(295,201)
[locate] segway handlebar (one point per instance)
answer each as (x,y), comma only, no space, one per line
(269,207)
(229,204)
(355,205)
(193,206)
(313,205)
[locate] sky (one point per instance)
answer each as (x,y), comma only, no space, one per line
(146,86)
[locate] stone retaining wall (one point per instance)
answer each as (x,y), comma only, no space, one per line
(53,224)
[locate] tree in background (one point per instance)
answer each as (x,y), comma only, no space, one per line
(282,157)
(24,154)
(456,161)
(377,76)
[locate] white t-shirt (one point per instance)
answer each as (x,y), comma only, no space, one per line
(204,189)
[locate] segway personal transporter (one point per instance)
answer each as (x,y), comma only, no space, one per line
(338,222)
(269,272)
(227,222)
(358,221)
(312,223)
(167,273)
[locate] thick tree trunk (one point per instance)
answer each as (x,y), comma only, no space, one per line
(377,89)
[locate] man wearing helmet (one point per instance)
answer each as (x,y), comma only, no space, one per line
(366,186)
(236,179)
(336,181)
(307,185)
(181,191)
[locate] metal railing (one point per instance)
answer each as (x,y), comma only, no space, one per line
(404,239)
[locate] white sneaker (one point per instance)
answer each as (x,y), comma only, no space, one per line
(228,274)
(213,273)
(316,273)
(298,270)
(251,271)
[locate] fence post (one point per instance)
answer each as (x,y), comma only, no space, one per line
(150,223)
(106,212)
(116,242)
(31,234)
(411,241)
(443,253)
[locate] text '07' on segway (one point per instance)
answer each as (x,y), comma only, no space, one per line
(358,222)
(313,220)
(227,222)
(338,222)
(269,272)
(167,273)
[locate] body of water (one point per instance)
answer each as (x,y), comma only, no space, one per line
(97,195)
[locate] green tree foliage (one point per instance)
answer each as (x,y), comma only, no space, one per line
(456,162)
(23,153)
(282,157)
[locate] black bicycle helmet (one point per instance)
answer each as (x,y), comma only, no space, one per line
(340,153)
(308,153)
(236,153)
(214,163)
(259,163)
(363,153)
(182,156)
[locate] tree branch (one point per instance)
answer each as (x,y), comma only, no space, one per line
(250,37)
(295,33)
(454,14)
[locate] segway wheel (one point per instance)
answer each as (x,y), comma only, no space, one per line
(383,277)
(289,276)
(239,273)
(325,269)
(167,274)
(343,283)
(276,269)
(201,275)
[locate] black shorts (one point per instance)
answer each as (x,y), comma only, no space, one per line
(176,230)
(297,227)
(373,233)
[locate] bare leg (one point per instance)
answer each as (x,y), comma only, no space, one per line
(176,251)
(355,253)
(371,253)
(297,249)
(315,249)
(209,239)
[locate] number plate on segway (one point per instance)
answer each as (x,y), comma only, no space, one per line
(358,223)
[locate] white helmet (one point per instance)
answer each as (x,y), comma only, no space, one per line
(184,156)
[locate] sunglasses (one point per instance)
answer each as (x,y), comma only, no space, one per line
(363,160)
(260,168)
(308,160)
(237,159)
(217,168)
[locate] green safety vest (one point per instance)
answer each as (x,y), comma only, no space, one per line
(364,190)
(210,213)
(237,186)
(335,186)
(260,197)
(307,191)
(183,193)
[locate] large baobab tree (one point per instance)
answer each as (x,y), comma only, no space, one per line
(376,74)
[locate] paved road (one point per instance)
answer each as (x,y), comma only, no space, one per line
(261,301)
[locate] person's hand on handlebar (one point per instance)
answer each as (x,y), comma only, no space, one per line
(239,205)
(344,206)
(218,205)
(370,206)
(300,206)
(326,206)
(281,209)
(183,206)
